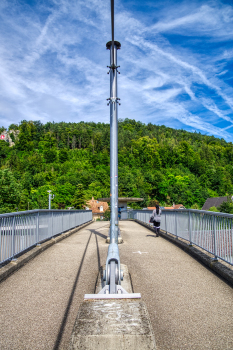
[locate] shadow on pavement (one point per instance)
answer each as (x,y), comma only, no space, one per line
(61,330)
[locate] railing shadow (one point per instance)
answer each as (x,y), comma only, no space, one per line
(62,327)
(64,321)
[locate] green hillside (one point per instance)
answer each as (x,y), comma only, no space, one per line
(72,160)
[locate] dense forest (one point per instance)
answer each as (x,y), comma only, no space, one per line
(72,160)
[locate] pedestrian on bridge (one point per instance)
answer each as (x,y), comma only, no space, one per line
(157,219)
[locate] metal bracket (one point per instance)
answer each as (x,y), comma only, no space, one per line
(112,296)
(113,67)
(113,100)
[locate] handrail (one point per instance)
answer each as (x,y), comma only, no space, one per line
(42,210)
(211,231)
(22,230)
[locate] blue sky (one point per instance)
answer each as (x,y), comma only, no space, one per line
(176,62)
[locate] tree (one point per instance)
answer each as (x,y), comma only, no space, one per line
(107,215)
(13,127)
(50,155)
(25,139)
(10,191)
(78,200)
(226,207)
(213,209)
(63,155)
(4,150)
(152,203)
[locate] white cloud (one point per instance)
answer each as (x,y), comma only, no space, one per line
(53,64)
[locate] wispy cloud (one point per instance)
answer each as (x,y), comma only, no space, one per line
(174,62)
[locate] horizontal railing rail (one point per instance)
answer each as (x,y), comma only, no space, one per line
(210,231)
(22,230)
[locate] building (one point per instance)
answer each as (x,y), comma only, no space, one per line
(214,202)
(122,201)
(5,136)
(175,206)
(98,208)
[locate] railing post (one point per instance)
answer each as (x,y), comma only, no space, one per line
(13,239)
(190,229)
(176,224)
(166,221)
(37,228)
(52,223)
(215,248)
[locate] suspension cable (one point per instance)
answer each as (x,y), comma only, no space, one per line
(112,24)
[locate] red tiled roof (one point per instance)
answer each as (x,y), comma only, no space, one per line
(176,206)
(95,205)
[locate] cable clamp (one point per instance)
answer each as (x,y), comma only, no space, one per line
(113,67)
(113,100)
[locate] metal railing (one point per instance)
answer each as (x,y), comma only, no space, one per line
(210,231)
(22,230)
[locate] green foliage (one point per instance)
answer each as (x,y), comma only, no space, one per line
(152,203)
(4,150)
(107,215)
(12,136)
(50,155)
(10,191)
(73,160)
(78,200)
(13,127)
(196,206)
(63,155)
(226,207)
(213,209)
(26,136)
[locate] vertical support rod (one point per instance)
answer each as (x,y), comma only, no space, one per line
(190,229)
(52,225)
(49,201)
(113,148)
(13,238)
(37,228)
(215,248)
(165,221)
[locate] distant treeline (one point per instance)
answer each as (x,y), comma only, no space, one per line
(73,160)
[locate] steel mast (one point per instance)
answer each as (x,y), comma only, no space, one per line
(113,259)
(113,274)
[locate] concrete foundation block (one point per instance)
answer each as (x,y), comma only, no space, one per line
(113,325)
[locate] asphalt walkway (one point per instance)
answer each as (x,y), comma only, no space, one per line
(189,307)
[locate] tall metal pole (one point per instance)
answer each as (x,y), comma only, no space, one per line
(113,101)
(49,199)
(113,260)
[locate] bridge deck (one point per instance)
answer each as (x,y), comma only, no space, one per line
(189,307)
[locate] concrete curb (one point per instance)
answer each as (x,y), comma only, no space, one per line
(220,269)
(14,265)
